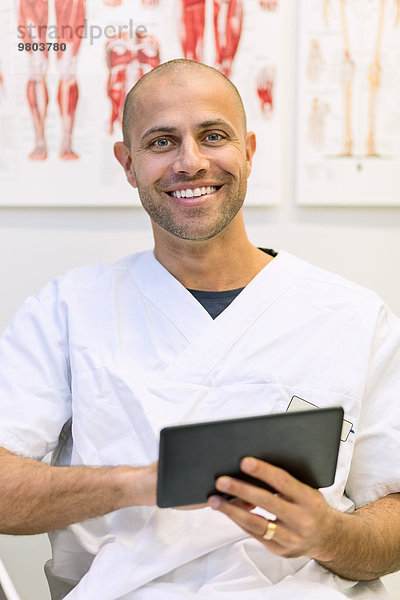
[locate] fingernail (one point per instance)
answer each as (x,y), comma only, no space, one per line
(223,483)
(249,463)
(214,501)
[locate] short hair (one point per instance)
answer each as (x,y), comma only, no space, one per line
(168,68)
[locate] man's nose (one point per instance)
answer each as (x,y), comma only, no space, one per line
(191,158)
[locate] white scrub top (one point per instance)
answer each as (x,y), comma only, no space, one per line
(105,356)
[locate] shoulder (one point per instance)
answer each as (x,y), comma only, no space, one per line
(320,292)
(319,284)
(88,279)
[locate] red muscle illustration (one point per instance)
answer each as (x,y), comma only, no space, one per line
(128,60)
(227,23)
(228,19)
(33,24)
(265,89)
(192,28)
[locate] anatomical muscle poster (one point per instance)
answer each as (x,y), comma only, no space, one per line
(348,103)
(67,65)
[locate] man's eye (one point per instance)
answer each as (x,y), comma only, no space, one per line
(214,137)
(161,143)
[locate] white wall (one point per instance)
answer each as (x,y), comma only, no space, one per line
(38,244)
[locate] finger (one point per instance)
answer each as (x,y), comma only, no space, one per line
(242,504)
(239,502)
(284,542)
(256,496)
(250,522)
(279,479)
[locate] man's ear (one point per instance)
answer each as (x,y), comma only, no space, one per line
(250,149)
(123,156)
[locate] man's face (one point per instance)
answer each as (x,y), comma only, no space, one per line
(190,155)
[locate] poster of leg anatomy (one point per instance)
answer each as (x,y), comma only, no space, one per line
(67,65)
(348,103)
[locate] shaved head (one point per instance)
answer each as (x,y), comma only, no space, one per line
(180,70)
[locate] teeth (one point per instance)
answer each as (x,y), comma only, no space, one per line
(193,193)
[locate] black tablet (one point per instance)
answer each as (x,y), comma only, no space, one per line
(305,443)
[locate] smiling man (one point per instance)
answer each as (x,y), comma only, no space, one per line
(198,159)
(206,326)
(190,162)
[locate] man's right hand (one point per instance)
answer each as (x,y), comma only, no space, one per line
(144,487)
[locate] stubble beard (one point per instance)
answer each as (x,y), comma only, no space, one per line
(187,229)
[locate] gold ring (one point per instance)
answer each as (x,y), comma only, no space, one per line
(270,531)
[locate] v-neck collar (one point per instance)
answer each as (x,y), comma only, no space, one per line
(210,339)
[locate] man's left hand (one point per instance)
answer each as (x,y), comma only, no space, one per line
(305,523)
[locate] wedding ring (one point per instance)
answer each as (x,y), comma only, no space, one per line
(270,531)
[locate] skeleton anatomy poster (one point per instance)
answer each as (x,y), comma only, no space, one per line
(348,103)
(65,69)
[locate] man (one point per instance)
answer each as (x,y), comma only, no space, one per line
(103,357)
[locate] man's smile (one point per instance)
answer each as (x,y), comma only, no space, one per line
(193,192)
(193,196)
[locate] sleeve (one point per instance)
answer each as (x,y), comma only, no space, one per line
(375,467)
(35,398)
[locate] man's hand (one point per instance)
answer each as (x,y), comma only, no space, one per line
(305,523)
(143,487)
(362,545)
